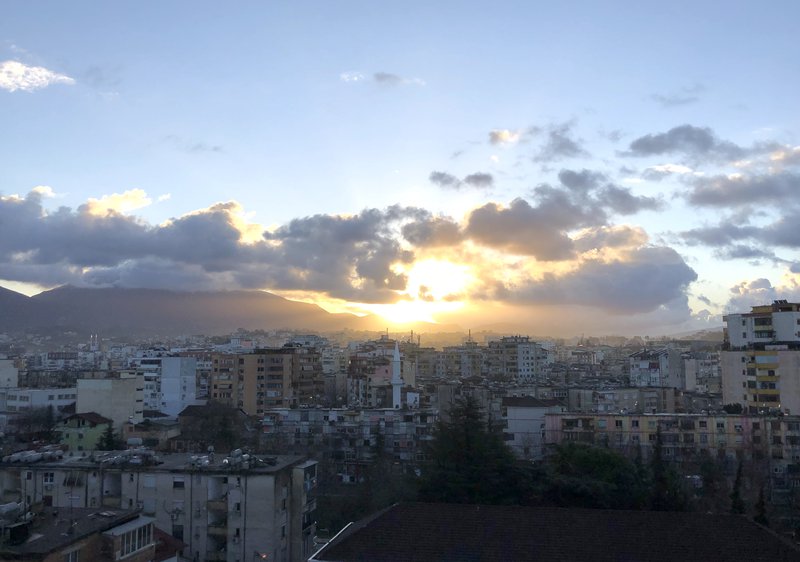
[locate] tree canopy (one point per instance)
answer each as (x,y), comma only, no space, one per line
(470,463)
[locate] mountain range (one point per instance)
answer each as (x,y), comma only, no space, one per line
(117,311)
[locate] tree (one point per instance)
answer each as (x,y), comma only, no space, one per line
(733,408)
(36,423)
(109,441)
(667,492)
(761,509)
(470,462)
(737,503)
(594,477)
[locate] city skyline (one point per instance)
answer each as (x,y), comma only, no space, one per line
(581,168)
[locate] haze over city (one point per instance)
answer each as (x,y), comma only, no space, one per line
(586,167)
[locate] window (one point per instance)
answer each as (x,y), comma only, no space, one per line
(617,423)
(136,539)
(634,423)
(48,478)
(73,556)
(177,482)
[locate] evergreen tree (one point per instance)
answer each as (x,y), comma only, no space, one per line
(737,503)
(470,462)
(109,440)
(667,492)
(761,509)
(594,477)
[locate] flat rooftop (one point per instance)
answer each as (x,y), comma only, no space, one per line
(167,462)
(54,529)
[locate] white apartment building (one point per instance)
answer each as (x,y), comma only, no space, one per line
(778,322)
(760,361)
(15,400)
(9,374)
(170,383)
(239,508)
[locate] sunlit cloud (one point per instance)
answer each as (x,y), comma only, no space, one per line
(504,136)
(16,76)
(125,202)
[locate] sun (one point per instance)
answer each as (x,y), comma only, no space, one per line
(434,286)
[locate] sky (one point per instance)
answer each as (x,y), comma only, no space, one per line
(576,167)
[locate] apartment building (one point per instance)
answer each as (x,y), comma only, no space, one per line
(513,358)
(81,534)
(657,367)
(223,509)
(760,360)
(120,398)
(525,424)
(267,378)
(778,322)
(170,383)
(15,400)
(637,400)
(348,437)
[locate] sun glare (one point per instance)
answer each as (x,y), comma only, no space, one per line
(434,286)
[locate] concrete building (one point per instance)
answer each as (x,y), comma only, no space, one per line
(170,383)
(778,322)
(513,358)
(82,432)
(760,360)
(348,437)
(222,509)
(638,400)
(120,398)
(80,534)
(656,367)
(15,400)
(525,424)
(274,377)
(9,373)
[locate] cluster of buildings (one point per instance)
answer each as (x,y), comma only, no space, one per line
(317,404)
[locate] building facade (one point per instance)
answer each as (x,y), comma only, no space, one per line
(221,508)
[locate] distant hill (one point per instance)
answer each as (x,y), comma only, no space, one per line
(115,311)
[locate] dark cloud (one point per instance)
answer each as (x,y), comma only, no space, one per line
(520,229)
(582,181)
(646,279)
(610,237)
(560,144)
(478,180)
(735,191)
(586,186)
(443,179)
(432,232)
(387,78)
(744,252)
(705,300)
(720,235)
(325,253)
(346,257)
(693,142)
(622,201)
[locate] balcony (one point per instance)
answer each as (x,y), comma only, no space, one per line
(219,529)
(217,505)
